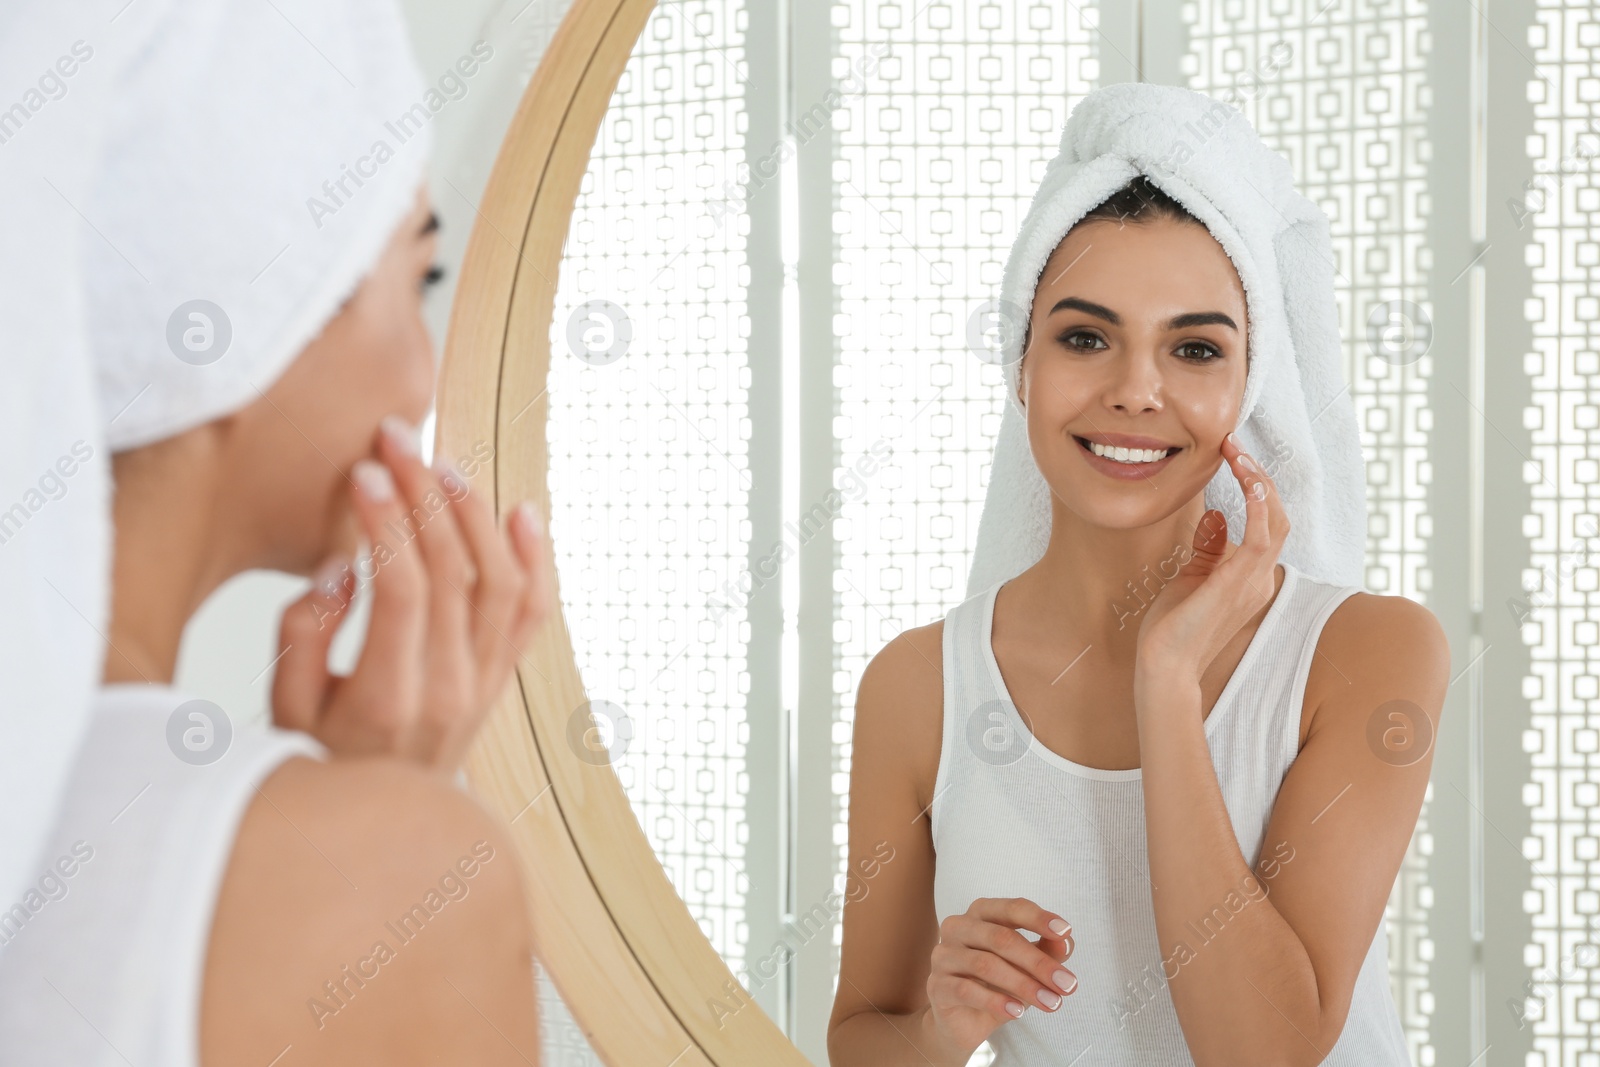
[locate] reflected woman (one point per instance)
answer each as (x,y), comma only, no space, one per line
(1149,792)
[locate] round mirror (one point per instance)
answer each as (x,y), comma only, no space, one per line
(698,324)
(727,314)
(613,929)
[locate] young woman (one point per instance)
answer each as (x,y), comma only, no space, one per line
(317,892)
(1152,830)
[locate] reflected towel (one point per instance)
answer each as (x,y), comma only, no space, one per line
(1297,417)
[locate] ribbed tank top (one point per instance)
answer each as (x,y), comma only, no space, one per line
(1011,818)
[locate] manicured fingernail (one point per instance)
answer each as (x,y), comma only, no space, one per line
(449,475)
(1059,926)
(402,435)
(1049,999)
(1065,980)
(1233,440)
(329,576)
(1014,1009)
(374,480)
(1248,464)
(1259,491)
(531,519)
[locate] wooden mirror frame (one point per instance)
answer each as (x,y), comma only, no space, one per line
(634,968)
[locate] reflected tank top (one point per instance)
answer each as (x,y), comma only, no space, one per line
(1011,818)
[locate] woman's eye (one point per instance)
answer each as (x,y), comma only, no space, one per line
(434,275)
(1193,351)
(1071,340)
(1206,353)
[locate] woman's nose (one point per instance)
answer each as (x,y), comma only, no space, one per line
(1134,382)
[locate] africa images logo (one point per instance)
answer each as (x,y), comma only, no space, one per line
(451,86)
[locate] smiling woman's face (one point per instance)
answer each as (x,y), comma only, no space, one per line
(1137,332)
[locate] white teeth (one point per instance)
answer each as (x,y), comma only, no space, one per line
(1127,455)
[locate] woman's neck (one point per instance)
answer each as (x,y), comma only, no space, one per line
(1095,582)
(169,554)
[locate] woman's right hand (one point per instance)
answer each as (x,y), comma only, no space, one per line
(985,972)
(455,601)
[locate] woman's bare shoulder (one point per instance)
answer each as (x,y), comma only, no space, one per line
(909,669)
(1372,635)
(900,707)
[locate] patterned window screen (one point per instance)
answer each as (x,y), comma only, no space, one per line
(1343,98)
(933,172)
(1558,614)
(649,472)
(950,109)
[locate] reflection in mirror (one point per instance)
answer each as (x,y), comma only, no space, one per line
(650,475)
(469,132)
(684,496)
(770,417)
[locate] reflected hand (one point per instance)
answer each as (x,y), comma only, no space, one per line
(985,972)
(454,603)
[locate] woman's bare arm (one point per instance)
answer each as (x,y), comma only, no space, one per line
(912,989)
(890,927)
(1277,987)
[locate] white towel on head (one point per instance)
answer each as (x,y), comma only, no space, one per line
(150,154)
(1297,417)
(53,475)
(262,156)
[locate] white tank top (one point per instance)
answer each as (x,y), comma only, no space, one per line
(102,963)
(1012,818)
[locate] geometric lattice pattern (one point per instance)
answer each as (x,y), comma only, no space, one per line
(1340,91)
(1559,614)
(649,477)
(951,112)
(948,111)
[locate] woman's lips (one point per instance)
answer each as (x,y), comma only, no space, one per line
(1128,472)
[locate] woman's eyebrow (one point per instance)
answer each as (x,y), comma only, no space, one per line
(1177,322)
(430,226)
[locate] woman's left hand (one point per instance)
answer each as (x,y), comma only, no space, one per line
(1210,600)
